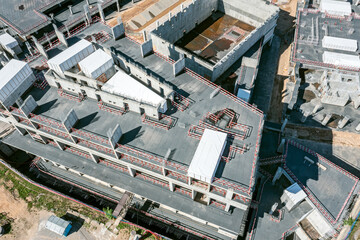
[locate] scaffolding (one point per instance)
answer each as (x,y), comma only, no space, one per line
(69,96)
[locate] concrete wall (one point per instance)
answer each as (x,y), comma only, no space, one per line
(113,100)
(184,21)
(230,58)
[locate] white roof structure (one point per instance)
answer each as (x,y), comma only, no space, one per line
(344,44)
(244,94)
(207,155)
(343,60)
(295,193)
(7,41)
(124,85)
(96,64)
(335,7)
(11,76)
(71,56)
(58,225)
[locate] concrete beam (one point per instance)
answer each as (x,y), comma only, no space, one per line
(40,48)
(60,36)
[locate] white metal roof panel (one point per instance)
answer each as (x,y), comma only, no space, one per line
(11,77)
(124,85)
(71,56)
(339,59)
(8,41)
(336,7)
(96,64)
(295,193)
(244,94)
(207,155)
(340,43)
(56,225)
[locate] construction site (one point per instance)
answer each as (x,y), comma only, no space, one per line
(118,99)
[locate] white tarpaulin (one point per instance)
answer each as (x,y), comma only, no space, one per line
(124,85)
(207,155)
(71,56)
(96,64)
(293,195)
(12,75)
(7,41)
(340,43)
(343,60)
(336,7)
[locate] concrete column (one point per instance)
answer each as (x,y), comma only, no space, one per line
(227,207)
(170,16)
(118,7)
(317,108)
(87,2)
(132,171)
(229,194)
(144,36)
(60,145)
(343,122)
(101,12)
(208,201)
(326,119)
(70,9)
(39,47)
(94,158)
(277,175)
(283,125)
(87,14)
(193,194)
(358,127)
(171,186)
(281,146)
(60,36)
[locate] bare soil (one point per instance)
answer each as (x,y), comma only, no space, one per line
(323,135)
(285,31)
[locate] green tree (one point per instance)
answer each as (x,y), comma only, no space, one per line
(349,221)
(108,213)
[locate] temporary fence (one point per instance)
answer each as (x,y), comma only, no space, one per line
(182,191)
(77,152)
(151,157)
(40,82)
(180,102)
(142,163)
(239,136)
(96,147)
(196,131)
(48,121)
(89,135)
(165,121)
(217,204)
(178,176)
(229,184)
(114,165)
(220,191)
(69,96)
(107,108)
(152,180)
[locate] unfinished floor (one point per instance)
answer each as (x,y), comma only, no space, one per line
(215,37)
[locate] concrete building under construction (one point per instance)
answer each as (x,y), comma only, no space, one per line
(325,54)
(110,126)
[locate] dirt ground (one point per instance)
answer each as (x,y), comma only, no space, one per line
(25,223)
(323,135)
(30,225)
(285,31)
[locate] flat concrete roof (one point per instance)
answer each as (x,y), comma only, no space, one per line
(312,53)
(331,185)
(231,221)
